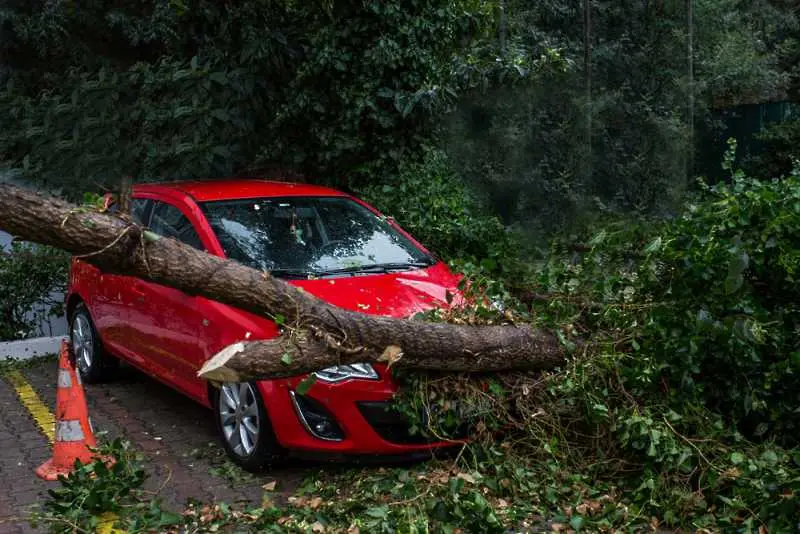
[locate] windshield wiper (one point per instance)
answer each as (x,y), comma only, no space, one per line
(292,273)
(377,268)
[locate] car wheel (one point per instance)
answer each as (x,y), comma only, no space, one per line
(244,425)
(91,360)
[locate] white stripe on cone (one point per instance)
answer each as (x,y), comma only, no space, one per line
(64,380)
(69,431)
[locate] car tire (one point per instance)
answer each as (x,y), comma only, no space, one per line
(91,360)
(244,426)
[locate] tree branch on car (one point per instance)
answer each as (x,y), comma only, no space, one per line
(118,246)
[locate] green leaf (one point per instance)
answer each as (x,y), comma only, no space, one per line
(168,518)
(378,512)
(598,238)
(737,458)
(733,283)
(654,246)
(495,388)
(221,150)
(737,266)
(770,457)
(488,264)
(305,385)
(150,236)
(218,77)
(703,319)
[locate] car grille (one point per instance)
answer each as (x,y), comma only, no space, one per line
(390,424)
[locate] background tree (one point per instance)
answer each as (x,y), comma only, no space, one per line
(350,91)
(163,90)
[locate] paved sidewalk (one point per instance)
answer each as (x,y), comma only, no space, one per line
(23,447)
(167,427)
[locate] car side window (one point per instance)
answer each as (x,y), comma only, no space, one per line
(140,210)
(169,221)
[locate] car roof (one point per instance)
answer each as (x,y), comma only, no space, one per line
(229,189)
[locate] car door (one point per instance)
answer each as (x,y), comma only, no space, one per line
(164,323)
(113,299)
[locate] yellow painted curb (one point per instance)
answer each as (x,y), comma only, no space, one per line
(41,414)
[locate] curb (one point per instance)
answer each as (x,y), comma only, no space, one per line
(26,349)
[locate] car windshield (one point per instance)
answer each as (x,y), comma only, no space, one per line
(310,236)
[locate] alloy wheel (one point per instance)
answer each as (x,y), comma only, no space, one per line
(82,343)
(238,413)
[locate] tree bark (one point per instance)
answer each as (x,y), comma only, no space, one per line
(317,334)
(503,28)
(690,76)
(587,77)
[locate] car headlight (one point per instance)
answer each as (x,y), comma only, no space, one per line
(337,373)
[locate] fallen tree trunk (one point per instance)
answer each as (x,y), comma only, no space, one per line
(317,334)
(311,350)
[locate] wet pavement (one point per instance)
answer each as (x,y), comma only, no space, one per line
(184,460)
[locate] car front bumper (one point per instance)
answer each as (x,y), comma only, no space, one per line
(361,408)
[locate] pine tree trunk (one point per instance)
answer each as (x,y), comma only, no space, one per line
(316,335)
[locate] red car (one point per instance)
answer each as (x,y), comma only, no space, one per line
(330,244)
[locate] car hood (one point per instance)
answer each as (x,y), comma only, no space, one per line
(400,294)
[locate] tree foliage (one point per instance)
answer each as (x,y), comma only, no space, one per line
(682,403)
(708,302)
(548,152)
(164,90)
(428,199)
(350,91)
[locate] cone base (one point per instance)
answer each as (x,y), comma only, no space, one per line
(50,471)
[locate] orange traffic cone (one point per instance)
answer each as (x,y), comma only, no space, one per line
(74,433)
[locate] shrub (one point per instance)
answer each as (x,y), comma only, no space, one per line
(707,302)
(685,394)
(29,276)
(430,200)
(779,149)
